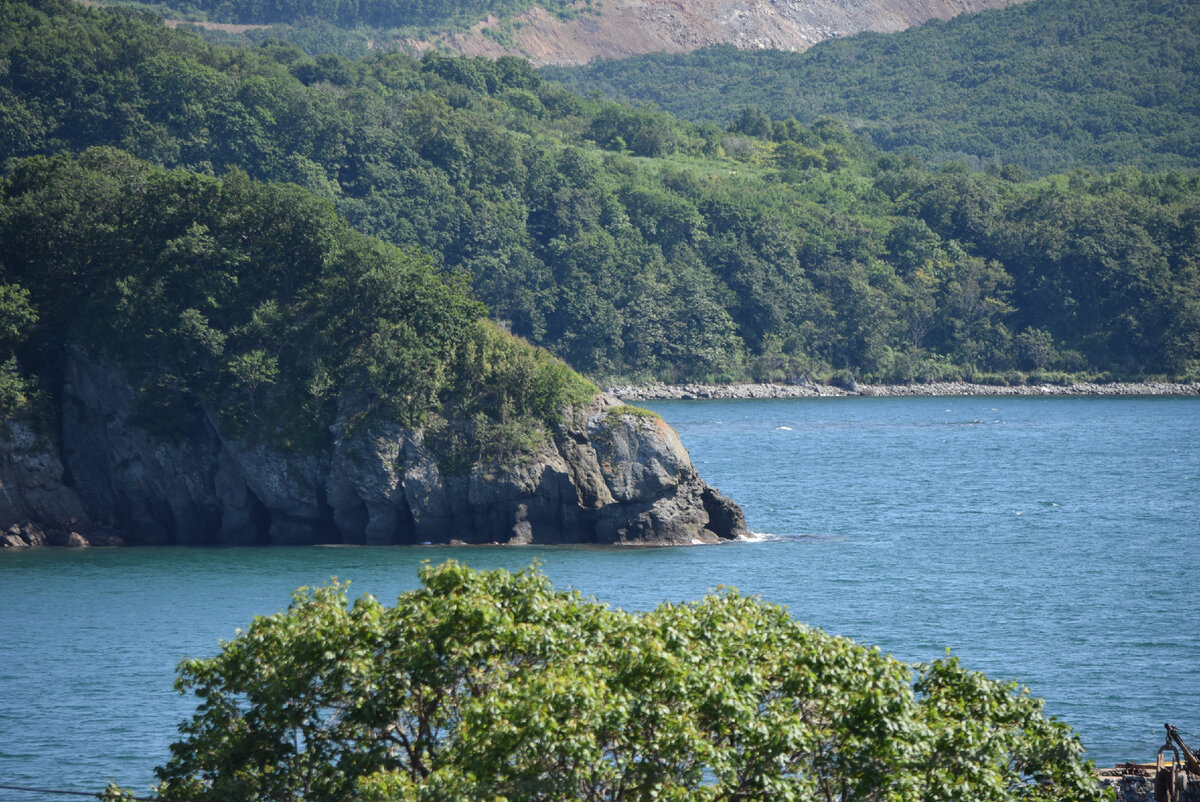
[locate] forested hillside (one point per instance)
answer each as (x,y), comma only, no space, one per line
(376,13)
(1049,85)
(394,15)
(252,300)
(635,245)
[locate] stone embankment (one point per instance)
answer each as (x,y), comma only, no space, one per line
(666,392)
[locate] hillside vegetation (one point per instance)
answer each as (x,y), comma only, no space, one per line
(1049,85)
(380,16)
(632,244)
(253,301)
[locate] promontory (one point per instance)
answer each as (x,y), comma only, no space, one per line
(193,360)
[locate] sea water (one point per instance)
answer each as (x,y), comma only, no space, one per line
(1054,541)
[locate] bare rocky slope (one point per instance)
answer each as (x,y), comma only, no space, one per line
(633,27)
(608,475)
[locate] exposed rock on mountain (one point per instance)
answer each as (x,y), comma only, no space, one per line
(633,27)
(609,475)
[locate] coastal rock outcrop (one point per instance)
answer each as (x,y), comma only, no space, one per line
(607,474)
(37,507)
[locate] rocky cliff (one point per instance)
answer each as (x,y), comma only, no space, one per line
(609,474)
(632,27)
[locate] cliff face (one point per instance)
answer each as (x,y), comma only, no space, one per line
(632,27)
(607,476)
(37,508)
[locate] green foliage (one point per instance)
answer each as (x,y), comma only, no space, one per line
(510,378)
(252,299)
(15,388)
(643,131)
(17,318)
(628,243)
(503,399)
(16,315)
(637,412)
(114,793)
(490,685)
(1047,86)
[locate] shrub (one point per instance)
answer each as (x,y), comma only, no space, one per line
(491,685)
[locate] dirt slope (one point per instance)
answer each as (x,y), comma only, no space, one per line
(632,27)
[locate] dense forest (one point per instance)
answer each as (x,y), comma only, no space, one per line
(254,301)
(1049,85)
(632,244)
(378,15)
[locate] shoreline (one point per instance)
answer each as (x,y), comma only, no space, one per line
(689,392)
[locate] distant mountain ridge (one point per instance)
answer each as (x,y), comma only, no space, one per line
(567,32)
(1050,85)
(626,28)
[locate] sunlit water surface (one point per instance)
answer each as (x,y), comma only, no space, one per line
(1054,541)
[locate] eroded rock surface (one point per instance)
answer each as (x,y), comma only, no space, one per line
(37,507)
(626,28)
(608,475)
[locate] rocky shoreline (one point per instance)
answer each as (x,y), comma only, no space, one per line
(605,474)
(673,392)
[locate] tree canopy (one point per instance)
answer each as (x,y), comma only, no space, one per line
(254,301)
(629,243)
(1049,85)
(491,685)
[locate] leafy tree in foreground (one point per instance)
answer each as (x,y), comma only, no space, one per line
(491,685)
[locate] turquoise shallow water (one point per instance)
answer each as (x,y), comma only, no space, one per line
(1050,540)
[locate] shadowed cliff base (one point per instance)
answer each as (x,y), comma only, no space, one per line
(609,475)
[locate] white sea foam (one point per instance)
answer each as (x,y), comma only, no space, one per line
(758,537)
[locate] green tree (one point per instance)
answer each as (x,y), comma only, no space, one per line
(16,315)
(691,254)
(1042,87)
(491,685)
(645,130)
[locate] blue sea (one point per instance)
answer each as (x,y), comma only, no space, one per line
(1053,541)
